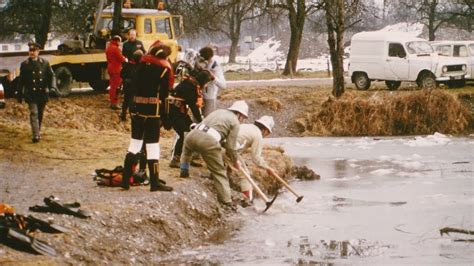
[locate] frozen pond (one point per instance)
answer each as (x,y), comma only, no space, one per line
(379,201)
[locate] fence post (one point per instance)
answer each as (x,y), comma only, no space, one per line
(250,69)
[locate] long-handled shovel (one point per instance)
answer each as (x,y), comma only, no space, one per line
(298,197)
(268,202)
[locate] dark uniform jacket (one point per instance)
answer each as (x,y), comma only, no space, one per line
(129,48)
(36,78)
(187,93)
(152,84)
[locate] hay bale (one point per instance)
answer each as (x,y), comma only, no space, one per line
(420,112)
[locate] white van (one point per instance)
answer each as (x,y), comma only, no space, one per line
(394,57)
(463,49)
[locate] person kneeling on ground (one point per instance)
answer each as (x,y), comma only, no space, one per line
(251,137)
(152,83)
(221,127)
(187,94)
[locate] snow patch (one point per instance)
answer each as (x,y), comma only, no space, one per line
(436,139)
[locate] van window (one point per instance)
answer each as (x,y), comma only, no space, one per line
(443,50)
(163,26)
(147,26)
(396,50)
(460,51)
(419,47)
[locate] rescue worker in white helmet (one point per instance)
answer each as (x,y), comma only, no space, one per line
(219,129)
(251,138)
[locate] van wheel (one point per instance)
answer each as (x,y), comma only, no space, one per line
(427,81)
(392,84)
(99,85)
(361,81)
(63,80)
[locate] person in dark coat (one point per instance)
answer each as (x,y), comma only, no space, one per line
(131,45)
(187,95)
(152,82)
(35,81)
(128,72)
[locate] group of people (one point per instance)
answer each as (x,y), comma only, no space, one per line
(154,102)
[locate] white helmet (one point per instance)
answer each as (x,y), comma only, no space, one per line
(266,121)
(241,107)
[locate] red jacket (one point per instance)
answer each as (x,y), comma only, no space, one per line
(114,57)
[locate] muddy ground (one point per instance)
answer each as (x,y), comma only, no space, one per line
(81,134)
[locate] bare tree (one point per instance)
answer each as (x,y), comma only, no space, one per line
(40,17)
(334,11)
(434,13)
(225,17)
(297,10)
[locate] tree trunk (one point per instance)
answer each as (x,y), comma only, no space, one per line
(297,18)
(235,24)
(336,43)
(431,19)
(46,10)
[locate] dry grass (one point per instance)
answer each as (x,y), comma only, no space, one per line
(387,114)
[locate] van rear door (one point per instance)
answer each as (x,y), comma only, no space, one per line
(397,64)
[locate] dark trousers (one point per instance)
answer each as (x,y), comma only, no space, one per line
(36,116)
(181,123)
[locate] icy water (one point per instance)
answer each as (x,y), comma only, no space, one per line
(379,201)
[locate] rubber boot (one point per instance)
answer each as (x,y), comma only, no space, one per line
(175,162)
(130,160)
(155,184)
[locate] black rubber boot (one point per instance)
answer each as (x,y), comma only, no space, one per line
(174,163)
(130,160)
(155,182)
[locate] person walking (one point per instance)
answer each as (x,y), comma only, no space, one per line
(114,67)
(152,82)
(218,81)
(219,129)
(186,95)
(250,137)
(36,80)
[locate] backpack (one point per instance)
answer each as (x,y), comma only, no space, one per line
(113,178)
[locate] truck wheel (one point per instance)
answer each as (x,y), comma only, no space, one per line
(63,80)
(392,84)
(99,85)
(427,81)
(361,81)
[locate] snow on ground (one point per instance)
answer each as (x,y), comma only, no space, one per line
(268,56)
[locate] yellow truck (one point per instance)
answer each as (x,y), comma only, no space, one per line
(85,61)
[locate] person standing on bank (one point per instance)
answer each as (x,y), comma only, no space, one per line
(114,67)
(35,81)
(152,83)
(218,82)
(219,129)
(187,95)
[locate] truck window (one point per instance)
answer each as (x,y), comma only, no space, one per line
(396,50)
(147,26)
(460,51)
(471,49)
(163,26)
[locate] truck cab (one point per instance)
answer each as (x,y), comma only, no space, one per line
(394,57)
(151,25)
